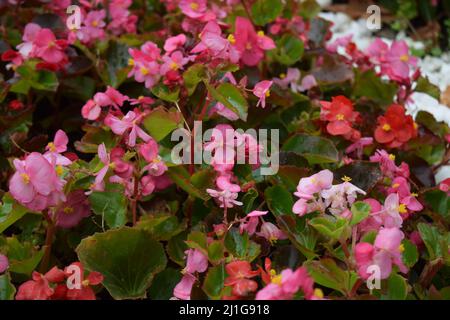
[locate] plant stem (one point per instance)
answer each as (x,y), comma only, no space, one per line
(244,4)
(135,199)
(48,242)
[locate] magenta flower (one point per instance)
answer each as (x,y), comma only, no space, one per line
(196,261)
(285,285)
(193,8)
(401,186)
(35,183)
(250,222)
(145,64)
(183,289)
(271,232)
(175,61)
(250,45)
(55,148)
(4,264)
(47,47)
(173,43)
(71,212)
(262,91)
(127,124)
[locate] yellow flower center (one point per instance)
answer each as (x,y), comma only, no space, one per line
(392,157)
(340,116)
(402,208)
(404,58)
(282,75)
(194,6)
(268,93)
(112,165)
(59,170)
(248,46)
(261,33)
(414,194)
(386,127)
(85,283)
(395,185)
(231,39)
(25,178)
(68,210)
(51,146)
(131,62)
(174,66)
(318,293)
(346,179)
(94,23)
(144,71)
(401,248)
(277,279)
(415,125)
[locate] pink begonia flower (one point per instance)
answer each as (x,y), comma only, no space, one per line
(444,186)
(92,28)
(71,212)
(262,91)
(196,261)
(149,152)
(391,213)
(35,183)
(55,148)
(4,263)
(193,8)
(127,123)
(388,166)
(374,220)
(222,144)
(145,64)
(218,47)
(401,186)
(173,43)
(292,78)
(46,47)
(359,145)
(175,61)
(389,251)
(226,198)
(339,196)
(38,288)
(250,222)
(104,157)
(220,109)
(271,232)
(121,18)
(143,101)
(395,60)
(250,45)
(183,289)
(386,251)
(307,187)
(29,34)
(111,97)
(285,285)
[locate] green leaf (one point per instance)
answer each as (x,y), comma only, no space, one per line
(240,246)
(193,76)
(360,211)
(128,258)
(315,149)
(369,85)
(303,237)
(163,92)
(329,226)
(424,85)
(326,273)
(279,201)
(439,202)
(10,212)
(214,281)
(114,68)
(111,206)
(180,176)
(231,97)
(23,256)
(215,251)
(176,248)
(249,199)
(410,255)
(161,226)
(290,49)
(265,11)
(160,122)
(164,283)
(7,290)
(431,237)
(397,287)
(198,240)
